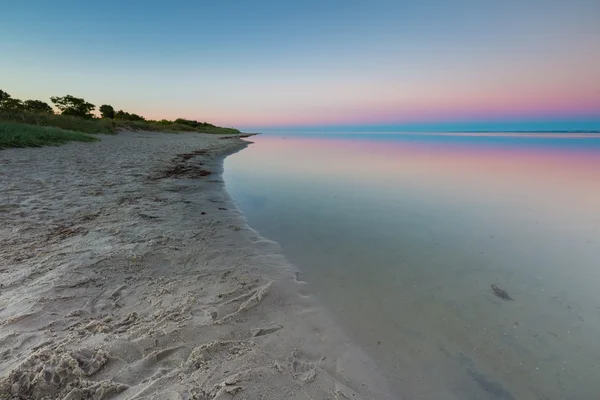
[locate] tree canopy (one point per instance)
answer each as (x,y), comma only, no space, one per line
(107,111)
(11,104)
(8,103)
(3,96)
(74,106)
(38,106)
(128,116)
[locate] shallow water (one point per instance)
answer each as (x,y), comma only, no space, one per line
(402,236)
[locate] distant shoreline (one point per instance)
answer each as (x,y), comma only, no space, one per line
(434,132)
(535,131)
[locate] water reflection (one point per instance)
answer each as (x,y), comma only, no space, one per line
(401,237)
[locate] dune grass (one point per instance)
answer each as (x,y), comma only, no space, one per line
(67,122)
(14,134)
(171,127)
(33,129)
(152,126)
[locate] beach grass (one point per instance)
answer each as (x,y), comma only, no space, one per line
(171,127)
(66,122)
(77,115)
(13,134)
(152,126)
(32,129)
(107,126)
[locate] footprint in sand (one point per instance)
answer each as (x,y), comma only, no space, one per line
(302,369)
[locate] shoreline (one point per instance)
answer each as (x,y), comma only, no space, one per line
(123,278)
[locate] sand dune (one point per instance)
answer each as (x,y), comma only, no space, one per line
(127,272)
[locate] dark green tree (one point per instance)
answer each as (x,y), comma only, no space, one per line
(194,124)
(7,103)
(128,117)
(3,96)
(107,111)
(38,106)
(75,106)
(11,104)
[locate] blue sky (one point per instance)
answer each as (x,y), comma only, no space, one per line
(268,64)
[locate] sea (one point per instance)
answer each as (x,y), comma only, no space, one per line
(466,264)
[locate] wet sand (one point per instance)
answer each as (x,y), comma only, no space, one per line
(127,272)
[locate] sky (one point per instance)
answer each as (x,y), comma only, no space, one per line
(315,64)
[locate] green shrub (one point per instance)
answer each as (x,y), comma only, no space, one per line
(139,126)
(205,127)
(128,116)
(158,126)
(14,134)
(218,130)
(60,121)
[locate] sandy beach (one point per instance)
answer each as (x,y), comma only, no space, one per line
(127,272)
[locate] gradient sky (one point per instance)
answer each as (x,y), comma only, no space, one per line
(523,64)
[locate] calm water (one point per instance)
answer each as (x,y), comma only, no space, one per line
(401,236)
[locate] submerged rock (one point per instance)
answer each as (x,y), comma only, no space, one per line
(501,293)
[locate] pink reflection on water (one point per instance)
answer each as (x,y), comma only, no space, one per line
(549,177)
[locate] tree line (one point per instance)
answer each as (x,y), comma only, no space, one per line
(79,107)
(8,103)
